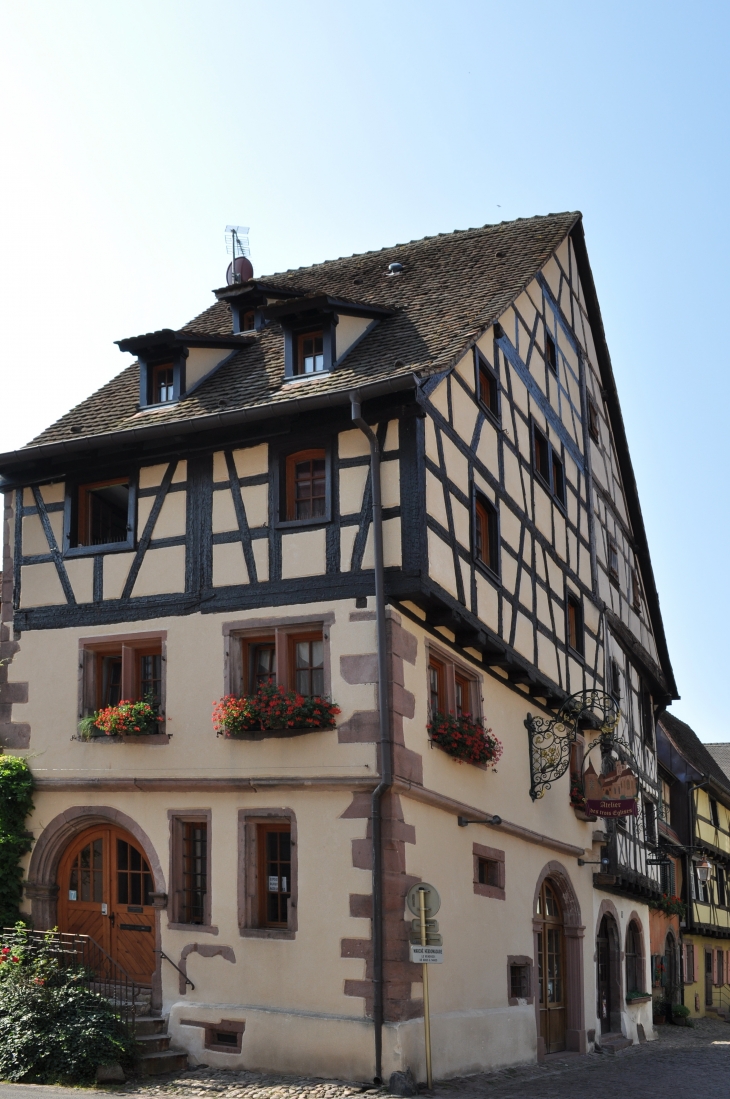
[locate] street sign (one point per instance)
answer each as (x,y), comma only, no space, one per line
(427,955)
(432,901)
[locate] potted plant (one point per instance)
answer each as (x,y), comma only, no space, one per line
(669,905)
(680,1015)
(660,1013)
(464,739)
(272,709)
(126,719)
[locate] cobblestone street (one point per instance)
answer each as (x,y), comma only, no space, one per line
(681,1062)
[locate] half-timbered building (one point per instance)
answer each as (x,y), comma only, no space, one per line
(399,481)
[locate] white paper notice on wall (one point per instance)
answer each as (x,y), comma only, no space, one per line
(427,955)
(273,884)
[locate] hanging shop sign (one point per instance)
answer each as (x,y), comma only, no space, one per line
(611,795)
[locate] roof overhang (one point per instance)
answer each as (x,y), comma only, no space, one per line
(303,307)
(27,462)
(167,338)
(257,288)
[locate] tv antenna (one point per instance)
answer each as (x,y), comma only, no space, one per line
(238,249)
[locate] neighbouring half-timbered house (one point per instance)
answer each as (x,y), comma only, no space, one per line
(695,834)
(397,484)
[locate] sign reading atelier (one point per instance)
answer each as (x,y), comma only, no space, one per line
(611,795)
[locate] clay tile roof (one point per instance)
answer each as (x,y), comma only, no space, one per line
(699,755)
(452,287)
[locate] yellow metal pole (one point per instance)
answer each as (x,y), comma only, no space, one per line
(426,1009)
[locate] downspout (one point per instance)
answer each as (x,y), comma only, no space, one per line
(386,762)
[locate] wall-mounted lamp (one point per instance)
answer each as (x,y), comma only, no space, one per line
(704,869)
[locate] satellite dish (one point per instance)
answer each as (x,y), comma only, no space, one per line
(240,268)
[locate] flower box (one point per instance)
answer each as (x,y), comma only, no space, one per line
(464,739)
(127,720)
(272,712)
(643,998)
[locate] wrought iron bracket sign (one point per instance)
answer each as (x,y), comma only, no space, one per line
(550,740)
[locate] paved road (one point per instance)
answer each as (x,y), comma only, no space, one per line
(680,1063)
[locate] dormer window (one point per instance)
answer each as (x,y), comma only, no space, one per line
(248,321)
(163,383)
(310,353)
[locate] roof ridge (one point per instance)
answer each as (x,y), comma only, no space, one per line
(421,240)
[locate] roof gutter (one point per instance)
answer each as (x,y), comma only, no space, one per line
(18,459)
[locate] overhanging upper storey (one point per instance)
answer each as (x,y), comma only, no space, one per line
(172,364)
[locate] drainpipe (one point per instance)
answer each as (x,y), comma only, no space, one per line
(386,762)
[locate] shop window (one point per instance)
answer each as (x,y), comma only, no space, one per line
(130,667)
(306,486)
(101,514)
(267,873)
(634,959)
(190,871)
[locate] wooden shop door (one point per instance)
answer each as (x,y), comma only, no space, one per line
(551,969)
(105,888)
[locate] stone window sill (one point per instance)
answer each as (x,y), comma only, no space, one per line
(265,734)
(267,933)
(146,738)
(198,928)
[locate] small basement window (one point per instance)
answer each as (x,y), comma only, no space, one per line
(102,513)
(489,872)
(310,353)
(519,981)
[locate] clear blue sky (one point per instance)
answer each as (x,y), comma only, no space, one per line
(131,133)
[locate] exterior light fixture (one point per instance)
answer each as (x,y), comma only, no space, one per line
(703,870)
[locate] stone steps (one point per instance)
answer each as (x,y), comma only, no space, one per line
(612,1043)
(156,1056)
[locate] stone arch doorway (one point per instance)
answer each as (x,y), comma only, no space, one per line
(105,891)
(558,932)
(608,975)
(47,877)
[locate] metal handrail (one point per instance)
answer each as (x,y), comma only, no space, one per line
(177,967)
(102,974)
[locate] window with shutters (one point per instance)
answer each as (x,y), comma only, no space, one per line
(452,687)
(292,653)
(124,667)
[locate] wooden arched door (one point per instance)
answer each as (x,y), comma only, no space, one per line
(551,968)
(105,888)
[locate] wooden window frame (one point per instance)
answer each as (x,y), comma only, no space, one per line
(634,928)
(594,423)
(482,369)
(264,829)
(309,334)
(450,669)
(558,483)
(177,819)
(714,812)
(480,853)
(250,822)
(574,604)
(551,353)
(521,960)
(247,320)
(131,646)
(281,630)
(75,513)
(541,444)
(175,359)
(155,371)
(611,553)
(480,503)
(286,487)
(327,325)
(636,601)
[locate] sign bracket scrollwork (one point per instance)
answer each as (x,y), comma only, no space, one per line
(550,740)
